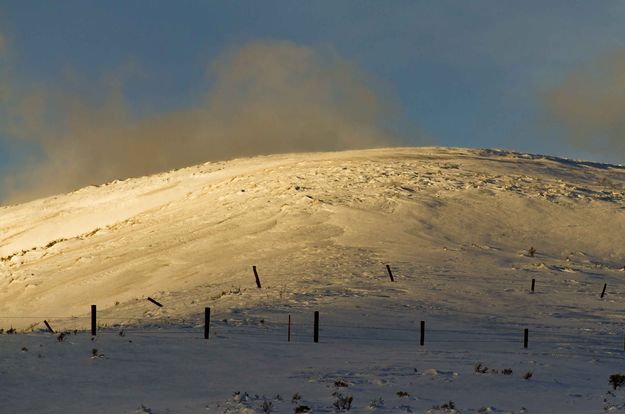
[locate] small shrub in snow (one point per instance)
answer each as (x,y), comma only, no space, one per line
(531,252)
(296,397)
(480,369)
(343,403)
(61,337)
(144,409)
(266,406)
(617,380)
(340,383)
(302,409)
(238,397)
(24,349)
(506,371)
(377,403)
(11,331)
(94,353)
(402,394)
(528,375)
(448,406)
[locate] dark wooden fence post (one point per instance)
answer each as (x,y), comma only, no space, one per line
(207,321)
(605,285)
(316,334)
(526,335)
(390,274)
(422,341)
(533,284)
(257,278)
(155,302)
(289,330)
(93,320)
(48,326)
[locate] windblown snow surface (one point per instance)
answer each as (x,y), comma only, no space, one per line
(454,225)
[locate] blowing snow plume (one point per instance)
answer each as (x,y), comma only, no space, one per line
(266,97)
(590,106)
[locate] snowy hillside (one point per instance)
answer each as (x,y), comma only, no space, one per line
(455,225)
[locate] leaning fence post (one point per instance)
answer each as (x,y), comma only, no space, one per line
(48,326)
(316,334)
(155,302)
(525,337)
(605,285)
(93,320)
(390,274)
(207,321)
(422,341)
(256,276)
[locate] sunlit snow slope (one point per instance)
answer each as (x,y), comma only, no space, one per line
(454,224)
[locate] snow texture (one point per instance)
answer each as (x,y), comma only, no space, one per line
(463,231)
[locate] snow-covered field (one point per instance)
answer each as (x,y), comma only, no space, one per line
(455,225)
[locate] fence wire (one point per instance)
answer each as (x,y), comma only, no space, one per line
(445,339)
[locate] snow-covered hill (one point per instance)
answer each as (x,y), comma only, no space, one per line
(317,224)
(455,225)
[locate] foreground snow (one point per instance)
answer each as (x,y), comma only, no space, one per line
(455,225)
(239,368)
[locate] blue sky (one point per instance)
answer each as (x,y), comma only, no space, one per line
(471,74)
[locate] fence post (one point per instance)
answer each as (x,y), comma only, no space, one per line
(155,302)
(256,276)
(207,321)
(533,284)
(48,326)
(525,337)
(390,274)
(603,291)
(422,341)
(93,320)
(316,334)
(289,330)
